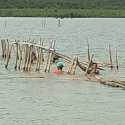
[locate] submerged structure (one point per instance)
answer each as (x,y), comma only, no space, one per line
(30,56)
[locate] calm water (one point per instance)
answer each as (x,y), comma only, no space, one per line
(63,100)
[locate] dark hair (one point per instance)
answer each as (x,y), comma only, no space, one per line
(59,67)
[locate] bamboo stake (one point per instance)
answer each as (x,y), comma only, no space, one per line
(25,57)
(38,53)
(110,56)
(51,55)
(47,62)
(75,65)
(2,48)
(20,57)
(7,48)
(8,56)
(117,64)
(49,59)
(39,59)
(17,56)
(42,55)
(88,52)
(71,67)
(30,60)
(90,64)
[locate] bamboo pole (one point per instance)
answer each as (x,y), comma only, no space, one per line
(20,56)
(42,55)
(75,65)
(49,59)
(110,57)
(90,64)
(112,83)
(25,57)
(71,67)
(7,48)
(8,56)
(38,56)
(51,55)
(17,56)
(4,49)
(88,51)
(30,60)
(39,59)
(117,64)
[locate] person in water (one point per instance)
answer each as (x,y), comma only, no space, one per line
(59,69)
(92,71)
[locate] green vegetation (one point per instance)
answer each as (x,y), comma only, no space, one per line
(62,13)
(63,8)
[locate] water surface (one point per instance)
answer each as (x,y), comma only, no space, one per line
(63,100)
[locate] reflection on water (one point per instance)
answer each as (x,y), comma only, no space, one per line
(63,100)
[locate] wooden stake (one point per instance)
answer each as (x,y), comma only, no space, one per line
(42,55)
(73,66)
(38,53)
(50,54)
(20,57)
(8,56)
(17,56)
(30,60)
(7,48)
(2,48)
(117,64)
(90,64)
(25,57)
(88,52)
(40,50)
(40,58)
(110,56)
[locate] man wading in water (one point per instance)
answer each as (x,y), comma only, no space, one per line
(59,69)
(92,71)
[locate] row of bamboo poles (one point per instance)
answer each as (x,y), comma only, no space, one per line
(25,53)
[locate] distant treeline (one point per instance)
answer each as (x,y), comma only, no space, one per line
(71,13)
(63,8)
(63,4)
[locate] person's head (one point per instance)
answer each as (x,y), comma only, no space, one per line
(60,65)
(95,65)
